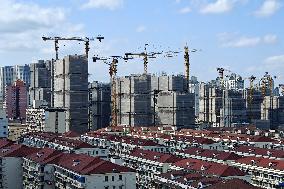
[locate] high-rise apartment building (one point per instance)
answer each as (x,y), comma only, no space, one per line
(99,105)
(71,90)
(40,87)
(16,100)
(10,74)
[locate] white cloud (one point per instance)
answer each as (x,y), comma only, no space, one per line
(275,60)
(185,10)
(219,6)
(23,24)
(141,29)
(270,38)
(235,40)
(268,8)
(107,4)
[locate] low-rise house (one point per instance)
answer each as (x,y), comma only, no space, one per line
(265,172)
(58,142)
(38,171)
(11,173)
(208,155)
(81,171)
(148,164)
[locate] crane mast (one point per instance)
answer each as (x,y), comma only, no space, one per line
(112,73)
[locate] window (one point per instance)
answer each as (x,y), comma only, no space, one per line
(120,177)
(120,187)
(113,187)
(106,187)
(106,178)
(112,178)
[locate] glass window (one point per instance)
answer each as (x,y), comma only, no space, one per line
(106,178)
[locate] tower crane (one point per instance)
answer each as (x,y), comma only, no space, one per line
(187,51)
(250,98)
(146,55)
(86,40)
(112,62)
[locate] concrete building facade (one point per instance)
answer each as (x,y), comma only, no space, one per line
(99,105)
(40,87)
(145,100)
(71,90)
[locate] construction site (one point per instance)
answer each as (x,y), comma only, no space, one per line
(147,99)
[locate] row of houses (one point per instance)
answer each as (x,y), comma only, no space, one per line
(32,168)
(154,155)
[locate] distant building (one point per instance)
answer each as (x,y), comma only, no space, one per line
(16,100)
(99,105)
(272,109)
(194,88)
(40,87)
(46,120)
(219,107)
(10,74)
(71,91)
(145,100)
(234,82)
(3,124)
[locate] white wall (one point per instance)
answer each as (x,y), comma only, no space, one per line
(98,181)
(12,173)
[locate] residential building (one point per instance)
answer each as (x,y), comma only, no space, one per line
(82,171)
(71,91)
(99,105)
(11,173)
(145,100)
(16,100)
(46,119)
(40,87)
(38,170)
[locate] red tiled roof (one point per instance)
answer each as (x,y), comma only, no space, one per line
(209,167)
(16,150)
(70,134)
(232,184)
(86,165)
(262,162)
(212,153)
(5,142)
(44,155)
(155,156)
(260,151)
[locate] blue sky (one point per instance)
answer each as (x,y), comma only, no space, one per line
(244,36)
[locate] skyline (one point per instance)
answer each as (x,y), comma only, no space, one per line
(240,35)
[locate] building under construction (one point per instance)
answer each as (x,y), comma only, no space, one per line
(99,105)
(40,87)
(71,90)
(145,100)
(222,105)
(272,110)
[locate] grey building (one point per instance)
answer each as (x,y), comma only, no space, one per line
(71,90)
(233,111)
(272,109)
(40,87)
(99,105)
(210,103)
(145,100)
